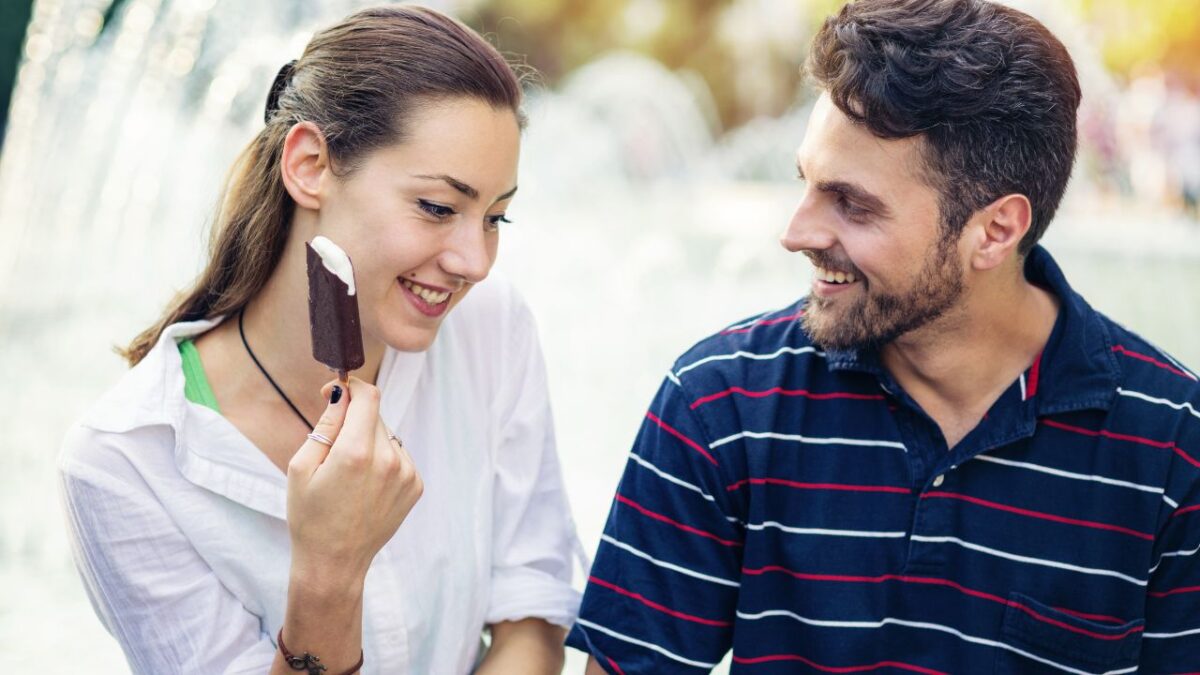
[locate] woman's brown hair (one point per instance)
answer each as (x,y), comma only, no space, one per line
(358,81)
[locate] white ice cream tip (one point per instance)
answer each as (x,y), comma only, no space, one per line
(335,260)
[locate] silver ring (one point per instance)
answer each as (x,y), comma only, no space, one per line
(392,437)
(323,440)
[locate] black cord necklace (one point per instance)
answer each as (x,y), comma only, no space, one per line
(242,332)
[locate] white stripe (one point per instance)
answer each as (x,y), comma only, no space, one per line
(1026,559)
(921,624)
(674,380)
(1160,636)
(1022,379)
(642,643)
(666,565)
(1172,554)
(1174,504)
(750,355)
(1159,401)
(1070,474)
(806,439)
(820,531)
(668,477)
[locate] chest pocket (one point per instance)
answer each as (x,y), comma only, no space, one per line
(1048,640)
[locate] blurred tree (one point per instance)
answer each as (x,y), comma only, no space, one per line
(14,17)
(1136,33)
(700,36)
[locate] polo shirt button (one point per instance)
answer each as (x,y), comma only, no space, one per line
(937,482)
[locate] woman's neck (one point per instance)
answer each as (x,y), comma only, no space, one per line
(276,327)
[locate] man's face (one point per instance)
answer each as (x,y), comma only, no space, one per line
(869,223)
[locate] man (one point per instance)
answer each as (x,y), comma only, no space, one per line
(942,460)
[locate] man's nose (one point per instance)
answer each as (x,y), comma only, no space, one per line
(809,229)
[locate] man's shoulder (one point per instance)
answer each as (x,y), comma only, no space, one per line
(759,347)
(1145,367)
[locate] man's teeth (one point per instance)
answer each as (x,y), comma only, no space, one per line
(832,277)
(432,297)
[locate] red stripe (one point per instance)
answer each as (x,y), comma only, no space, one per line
(1095,617)
(818,486)
(1039,514)
(784,392)
(654,605)
(764,322)
(686,528)
(1186,509)
(615,666)
(834,669)
(1173,591)
(687,441)
(1031,387)
(950,584)
(1142,357)
(1166,445)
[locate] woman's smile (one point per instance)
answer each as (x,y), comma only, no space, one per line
(430,301)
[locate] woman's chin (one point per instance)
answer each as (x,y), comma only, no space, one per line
(410,338)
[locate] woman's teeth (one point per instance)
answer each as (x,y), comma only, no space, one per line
(832,277)
(432,297)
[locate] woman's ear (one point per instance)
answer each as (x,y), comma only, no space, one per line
(304,163)
(1004,224)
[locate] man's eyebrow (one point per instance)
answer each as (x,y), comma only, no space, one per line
(859,194)
(464,188)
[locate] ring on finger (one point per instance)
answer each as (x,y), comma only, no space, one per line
(392,437)
(320,438)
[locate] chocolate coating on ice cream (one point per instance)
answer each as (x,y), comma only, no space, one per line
(333,310)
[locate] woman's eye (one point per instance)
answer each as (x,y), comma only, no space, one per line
(436,210)
(494,222)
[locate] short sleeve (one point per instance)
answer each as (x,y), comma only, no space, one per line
(534,539)
(1171,640)
(662,593)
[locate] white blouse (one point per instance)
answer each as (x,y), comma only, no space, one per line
(179,521)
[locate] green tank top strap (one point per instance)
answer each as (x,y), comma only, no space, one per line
(195,387)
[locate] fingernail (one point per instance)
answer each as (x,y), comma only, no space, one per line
(335,395)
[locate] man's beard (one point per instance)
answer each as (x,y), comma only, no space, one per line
(874,318)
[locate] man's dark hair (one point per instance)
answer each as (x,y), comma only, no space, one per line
(991,90)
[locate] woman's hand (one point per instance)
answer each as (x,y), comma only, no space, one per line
(345,501)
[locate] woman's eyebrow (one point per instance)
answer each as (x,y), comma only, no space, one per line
(463,187)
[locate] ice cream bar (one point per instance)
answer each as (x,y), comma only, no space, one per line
(333,308)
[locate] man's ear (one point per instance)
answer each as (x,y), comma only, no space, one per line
(1000,226)
(304,163)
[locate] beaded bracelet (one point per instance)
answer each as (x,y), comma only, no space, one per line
(309,662)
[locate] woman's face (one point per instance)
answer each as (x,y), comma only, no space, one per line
(421,219)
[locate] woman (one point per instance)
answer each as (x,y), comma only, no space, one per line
(217,528)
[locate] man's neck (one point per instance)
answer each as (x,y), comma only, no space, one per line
(958,366)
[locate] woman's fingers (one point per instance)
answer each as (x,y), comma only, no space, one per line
(358,433)
(316,448)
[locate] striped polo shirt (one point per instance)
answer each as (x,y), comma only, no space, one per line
(795,505)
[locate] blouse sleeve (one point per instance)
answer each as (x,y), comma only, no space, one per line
(534,536)
(151,589)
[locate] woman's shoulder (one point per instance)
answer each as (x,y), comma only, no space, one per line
(135,417)
(492,310)
(491,301)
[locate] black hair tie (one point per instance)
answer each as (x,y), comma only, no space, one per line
(281,82)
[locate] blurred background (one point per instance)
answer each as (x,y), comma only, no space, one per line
(657,173)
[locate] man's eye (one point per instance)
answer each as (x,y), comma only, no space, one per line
(852,211)
(435,210)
